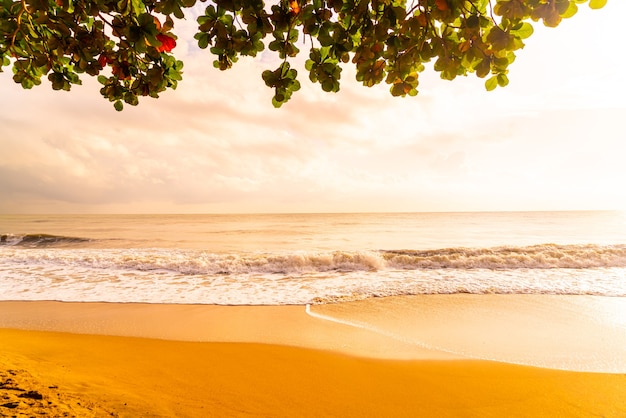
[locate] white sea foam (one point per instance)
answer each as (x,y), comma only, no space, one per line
(196,262)
(192,276)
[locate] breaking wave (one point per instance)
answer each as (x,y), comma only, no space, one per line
(194,262)
(39,240)
(543,256)
(155,275)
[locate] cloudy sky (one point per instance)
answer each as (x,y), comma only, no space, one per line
(553,139)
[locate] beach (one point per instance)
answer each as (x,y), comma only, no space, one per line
(162,360)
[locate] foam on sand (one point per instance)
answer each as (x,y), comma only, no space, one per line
(579,333)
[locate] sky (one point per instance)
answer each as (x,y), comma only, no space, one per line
(551,140)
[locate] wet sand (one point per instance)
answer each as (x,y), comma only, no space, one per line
(578,333)
(195,361)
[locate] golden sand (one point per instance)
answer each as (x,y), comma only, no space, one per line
(276,375)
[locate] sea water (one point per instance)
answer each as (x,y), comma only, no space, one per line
(275,259)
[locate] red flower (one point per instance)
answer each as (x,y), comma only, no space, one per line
(442,5)
(103,60)
(167,43)
(294,6)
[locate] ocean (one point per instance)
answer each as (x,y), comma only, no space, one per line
(278,259)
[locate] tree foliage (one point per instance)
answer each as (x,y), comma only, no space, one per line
(128,44)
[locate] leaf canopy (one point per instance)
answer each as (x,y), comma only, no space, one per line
(386,40)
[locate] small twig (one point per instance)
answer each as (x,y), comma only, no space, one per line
(19,22)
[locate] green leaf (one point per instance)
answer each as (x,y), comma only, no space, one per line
(526,29)
(122,7)
(118,105)
(491,83)
(328,85)
(138,6)
(483,68)
(503,80)
(571,11)
(276,103)
(597,4)
(203,40)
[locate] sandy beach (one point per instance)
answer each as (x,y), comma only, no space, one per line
(150,360)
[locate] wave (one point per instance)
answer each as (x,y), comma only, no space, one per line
(39,240)
(542,256)
(194,262)
(193,276)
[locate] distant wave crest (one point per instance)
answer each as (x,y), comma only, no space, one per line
(39,240)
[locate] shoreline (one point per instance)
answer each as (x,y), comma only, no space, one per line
(132,360)
(287,325)
(566,332)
